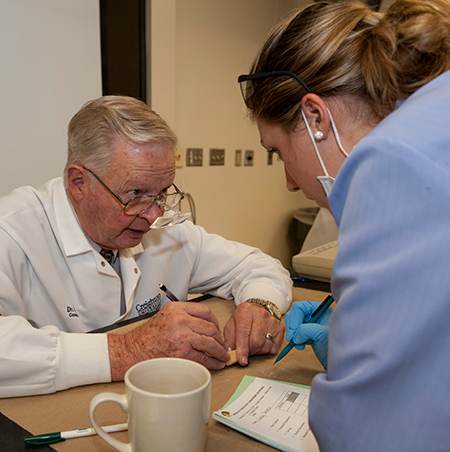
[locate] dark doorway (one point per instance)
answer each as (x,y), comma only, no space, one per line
(122,25)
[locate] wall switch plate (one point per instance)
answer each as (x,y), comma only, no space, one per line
(179,157)
(216,157)
(248,158)
(194,157)
(238,158)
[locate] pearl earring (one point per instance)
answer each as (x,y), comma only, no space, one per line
(318,135)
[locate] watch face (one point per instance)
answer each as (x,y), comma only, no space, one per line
(271,307)
(277,312)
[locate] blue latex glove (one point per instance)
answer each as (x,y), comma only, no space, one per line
(301,333)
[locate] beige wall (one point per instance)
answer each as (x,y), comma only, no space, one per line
(199,48)
(50,66)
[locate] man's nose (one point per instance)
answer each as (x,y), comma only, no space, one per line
(153,213)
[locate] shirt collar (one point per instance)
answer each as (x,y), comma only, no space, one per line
(72,234)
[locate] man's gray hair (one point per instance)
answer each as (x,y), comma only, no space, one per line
(94,129)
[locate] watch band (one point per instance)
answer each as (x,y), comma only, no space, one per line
(271,307)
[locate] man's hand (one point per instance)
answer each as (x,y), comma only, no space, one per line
(181,329)
(247,331)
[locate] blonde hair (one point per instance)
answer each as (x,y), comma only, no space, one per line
(347,49)
(94,129)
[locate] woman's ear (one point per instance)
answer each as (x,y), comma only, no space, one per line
(316,113)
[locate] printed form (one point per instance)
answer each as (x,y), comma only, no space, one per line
(273,412)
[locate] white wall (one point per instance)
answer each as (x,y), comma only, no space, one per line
(50,66)
(199,48)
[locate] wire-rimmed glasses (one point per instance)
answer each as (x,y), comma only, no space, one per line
(140,204)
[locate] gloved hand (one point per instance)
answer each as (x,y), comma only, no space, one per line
(301,333)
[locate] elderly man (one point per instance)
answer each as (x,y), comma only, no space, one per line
(90,250)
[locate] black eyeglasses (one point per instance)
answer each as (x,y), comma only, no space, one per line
(246,81)
(141,204)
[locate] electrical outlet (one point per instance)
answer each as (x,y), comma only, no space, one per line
(248,158)
(194,157)
(238,158)
(216,157)
(179,157)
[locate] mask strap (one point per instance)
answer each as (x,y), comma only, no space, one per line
(336,134)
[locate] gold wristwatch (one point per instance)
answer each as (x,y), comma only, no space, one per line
(271,307)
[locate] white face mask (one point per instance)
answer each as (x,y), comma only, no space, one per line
(327,181)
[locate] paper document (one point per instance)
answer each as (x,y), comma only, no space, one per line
(274,412)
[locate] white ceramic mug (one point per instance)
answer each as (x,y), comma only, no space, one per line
(167,401)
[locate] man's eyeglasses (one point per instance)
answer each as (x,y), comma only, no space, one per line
(246,81)
(141,204)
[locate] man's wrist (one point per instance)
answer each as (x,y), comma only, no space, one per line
(268,305)
(119,357)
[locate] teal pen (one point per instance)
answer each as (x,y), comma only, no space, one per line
(315,316)
(52,438)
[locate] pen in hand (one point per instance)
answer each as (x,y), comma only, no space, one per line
(168,293)
(314,318)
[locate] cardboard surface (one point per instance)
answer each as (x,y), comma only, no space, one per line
(69,410)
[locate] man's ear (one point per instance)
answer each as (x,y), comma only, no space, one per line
(76,180)
(316,113)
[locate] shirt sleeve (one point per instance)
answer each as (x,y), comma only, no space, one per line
(41,360)
(45,360)
(229,269)
(388,363)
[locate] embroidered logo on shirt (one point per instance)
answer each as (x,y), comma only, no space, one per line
(72,311)
(149,306)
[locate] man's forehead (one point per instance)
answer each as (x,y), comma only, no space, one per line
(122,147)
(146,168)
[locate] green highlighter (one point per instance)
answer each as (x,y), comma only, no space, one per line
(314,318)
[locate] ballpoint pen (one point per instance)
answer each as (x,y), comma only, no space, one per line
(314,317)
(168,293)
(51,438)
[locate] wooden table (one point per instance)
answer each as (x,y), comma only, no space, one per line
(69,410)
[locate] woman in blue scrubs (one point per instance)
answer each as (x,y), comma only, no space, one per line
(357,105)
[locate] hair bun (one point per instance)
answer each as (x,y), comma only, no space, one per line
(422,30)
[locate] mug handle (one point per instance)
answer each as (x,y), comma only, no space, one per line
(121,400)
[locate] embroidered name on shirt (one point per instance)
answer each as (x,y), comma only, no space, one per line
(72,311)
(149,306)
